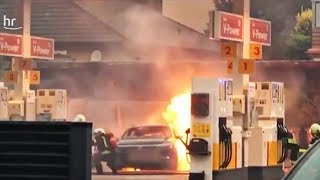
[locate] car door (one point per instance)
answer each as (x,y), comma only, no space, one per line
(308,166)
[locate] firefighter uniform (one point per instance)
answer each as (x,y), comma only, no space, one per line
(105,151)
(293,146)
(315,133)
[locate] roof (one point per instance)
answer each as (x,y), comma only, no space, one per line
(63,21)
(300,64)
(143,25)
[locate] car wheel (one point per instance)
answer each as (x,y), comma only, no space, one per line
(118,164)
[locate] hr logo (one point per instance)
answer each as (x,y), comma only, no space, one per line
(9,24)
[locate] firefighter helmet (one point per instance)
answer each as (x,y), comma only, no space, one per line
(314,129)
(99,131)
(80,118)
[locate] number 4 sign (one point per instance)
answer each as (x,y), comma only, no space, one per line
(229,66)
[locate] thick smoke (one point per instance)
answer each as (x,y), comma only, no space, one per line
(294,82)
(148,35)
(150,38)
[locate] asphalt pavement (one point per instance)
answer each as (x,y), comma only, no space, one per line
(140,177)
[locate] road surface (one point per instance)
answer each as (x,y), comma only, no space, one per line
(140,177)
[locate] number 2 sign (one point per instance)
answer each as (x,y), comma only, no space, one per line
(228,49)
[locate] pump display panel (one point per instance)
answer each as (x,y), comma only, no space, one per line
(200,104)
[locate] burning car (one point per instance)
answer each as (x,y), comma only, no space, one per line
(148,147)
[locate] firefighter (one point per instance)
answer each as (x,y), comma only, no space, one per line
(293,146)
(315,133)
(105,150)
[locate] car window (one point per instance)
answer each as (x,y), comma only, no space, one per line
(309,166)
(148,132)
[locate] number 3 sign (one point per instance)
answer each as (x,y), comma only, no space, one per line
(255,51)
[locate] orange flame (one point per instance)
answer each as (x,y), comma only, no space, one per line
(178,117)
(130,169)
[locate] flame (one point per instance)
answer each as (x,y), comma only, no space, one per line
(178,117)
(130,169)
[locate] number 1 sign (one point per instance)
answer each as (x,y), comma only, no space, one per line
(246,66)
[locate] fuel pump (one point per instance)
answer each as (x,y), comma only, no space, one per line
(225,143)
(282,137)
(30,105)
(267,146)
(213,152)
(51,104)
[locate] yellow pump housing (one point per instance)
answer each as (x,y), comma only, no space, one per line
(265,144)
(215,145)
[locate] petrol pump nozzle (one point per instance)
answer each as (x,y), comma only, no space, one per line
(283,137)
(185,143)
(226,141)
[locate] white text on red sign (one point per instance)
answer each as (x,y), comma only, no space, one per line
(42,48)
(10,45)
(230,26)
(260,31)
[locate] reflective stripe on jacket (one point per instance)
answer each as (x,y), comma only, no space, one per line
(291,138)
(292,141)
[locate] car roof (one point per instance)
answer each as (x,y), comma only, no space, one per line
(141,126)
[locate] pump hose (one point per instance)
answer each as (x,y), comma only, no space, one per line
(223,154)
(284,151)
(226,153)
(284,144)
(224,147)
(229,147)
(282,154)
(188,157)
(230,152)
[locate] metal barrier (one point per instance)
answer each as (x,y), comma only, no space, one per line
(45,150)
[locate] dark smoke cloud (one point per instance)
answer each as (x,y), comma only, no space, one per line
(147,32)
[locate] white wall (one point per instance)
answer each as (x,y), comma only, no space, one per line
(191,13)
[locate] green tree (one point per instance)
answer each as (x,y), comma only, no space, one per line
(300,39)
(224,5)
